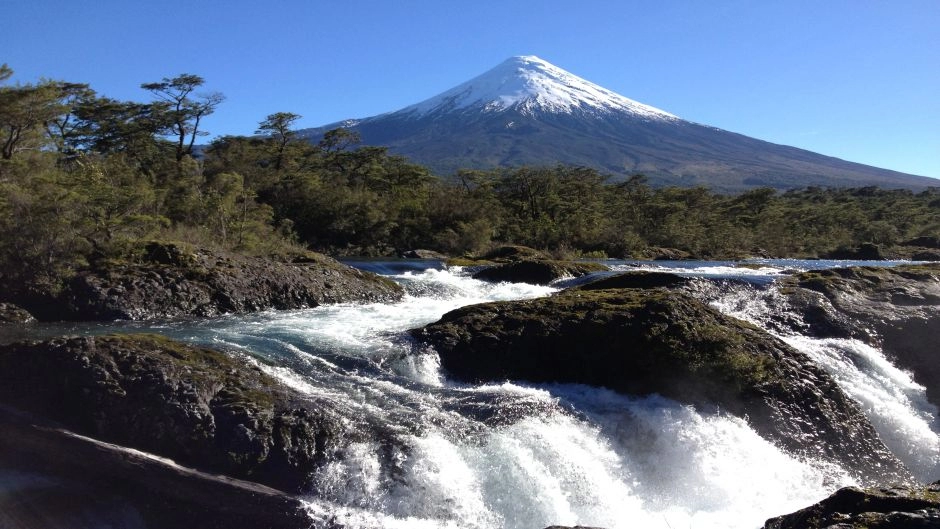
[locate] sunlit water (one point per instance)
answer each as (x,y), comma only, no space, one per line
(895,404)
(440,454)
(426,452)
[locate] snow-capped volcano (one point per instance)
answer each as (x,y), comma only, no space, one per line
(530,84)
(526,111)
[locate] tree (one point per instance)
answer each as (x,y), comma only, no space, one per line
(183,110)
(64,128)
(24,112)
(278,127)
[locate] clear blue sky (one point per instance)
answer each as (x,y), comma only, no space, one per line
(856,79)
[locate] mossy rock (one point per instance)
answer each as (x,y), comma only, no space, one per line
(896,308)
(200,407)
(645,341)
(898,507)
(537,272)
(510,252)
(174,280)
(638,279)
(10,313)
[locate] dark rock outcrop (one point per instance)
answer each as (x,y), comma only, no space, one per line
(538,272)
(923,242)
(512,252)
(421,254)
(197,406)
(10,313)
(882,508)
(642,341)
(864,252)
(638,279)
(897,308)
(55,479)
(173,282)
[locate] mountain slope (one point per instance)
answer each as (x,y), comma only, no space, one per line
(526,111)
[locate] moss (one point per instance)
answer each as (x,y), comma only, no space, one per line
(467,261)
(201,366)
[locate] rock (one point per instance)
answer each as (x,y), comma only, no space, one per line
(896,308)
(924,242)
(422,254)
(926,255)
(639,279)
(865,252)
(541,272)
(656,253)
(10,313)
(172,282)
(199,407)
(900,507)
(55,479)
(643,341)
(509,253)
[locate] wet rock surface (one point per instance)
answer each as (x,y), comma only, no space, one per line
(642,341)
(537,272)
(53,479)
(10,313)
(199,407)
(896,308)
(171,281)
(901,507)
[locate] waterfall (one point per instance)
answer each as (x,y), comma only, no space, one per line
(895,404)
(431,452)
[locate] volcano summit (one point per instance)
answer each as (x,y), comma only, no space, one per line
(526,111)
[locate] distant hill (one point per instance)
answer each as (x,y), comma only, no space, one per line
(526,111)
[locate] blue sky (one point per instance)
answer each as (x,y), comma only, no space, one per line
(858,79)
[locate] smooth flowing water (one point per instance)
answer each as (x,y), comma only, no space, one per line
(427,452)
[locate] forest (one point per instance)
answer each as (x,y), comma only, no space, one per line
(84,177)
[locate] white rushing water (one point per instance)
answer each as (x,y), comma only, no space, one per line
(895,404)
(437,454)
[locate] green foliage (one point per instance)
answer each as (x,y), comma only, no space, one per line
(85,178)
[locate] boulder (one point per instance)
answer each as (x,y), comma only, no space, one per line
(643,341)
(899,507)
(864,252)
(422,254)
(55,479)
(199,407)
(171,281)
(923,242)
(637,279)
(10,313)
(509,253)
(896,308)
(537,272)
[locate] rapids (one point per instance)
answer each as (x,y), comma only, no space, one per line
(427,452)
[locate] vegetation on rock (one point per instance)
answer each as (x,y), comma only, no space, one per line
(897,308)
(538,272)
(197,406)
(898,507)
(655,340)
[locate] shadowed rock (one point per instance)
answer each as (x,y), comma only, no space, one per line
(897,507)
(896,308)
(54,479)
(639,279)
(537,272)
(172,281)
(10,313)
(199,407)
